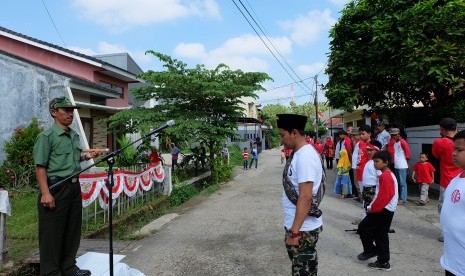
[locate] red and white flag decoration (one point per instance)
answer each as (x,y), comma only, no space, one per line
(94,185)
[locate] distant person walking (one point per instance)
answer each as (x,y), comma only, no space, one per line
(245,159)
(254,156)
(328,151)
(174,156)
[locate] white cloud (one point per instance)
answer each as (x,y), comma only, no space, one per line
(245,52)
(310,27)
(120,15)
(311,69)
(340,3)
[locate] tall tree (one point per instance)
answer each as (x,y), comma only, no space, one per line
(204,103)
(388,53)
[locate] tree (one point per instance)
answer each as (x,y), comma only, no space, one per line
(386,53)
(205,104)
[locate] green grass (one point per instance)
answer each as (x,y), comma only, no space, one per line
(22,227)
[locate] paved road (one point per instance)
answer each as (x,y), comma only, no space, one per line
(238,231)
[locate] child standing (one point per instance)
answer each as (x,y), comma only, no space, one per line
(374,228)
(423,174)
(343,187)
(245,158)
(283,156)
(254,156)
(453,214)
(370,174)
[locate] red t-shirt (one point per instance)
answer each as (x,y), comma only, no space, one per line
(362,159)
(442,149)
(386,192)
(424,172)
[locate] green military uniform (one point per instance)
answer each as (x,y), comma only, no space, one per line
(59,152)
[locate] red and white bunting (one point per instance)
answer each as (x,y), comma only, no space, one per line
(94,185)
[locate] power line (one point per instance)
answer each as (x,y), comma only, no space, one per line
(269,40)
(56,29)
(266,45)
(274,88)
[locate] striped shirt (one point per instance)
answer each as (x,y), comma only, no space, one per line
(245,155)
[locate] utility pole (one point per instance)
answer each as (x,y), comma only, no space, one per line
(316,106)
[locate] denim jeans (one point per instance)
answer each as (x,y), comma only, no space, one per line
(401,175)
(245,164)
(251,163)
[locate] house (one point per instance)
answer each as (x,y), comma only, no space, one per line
(249,127)
(32,72)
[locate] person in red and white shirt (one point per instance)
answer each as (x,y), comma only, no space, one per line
(401,157)
(453,214)
(423,174)
(374,228)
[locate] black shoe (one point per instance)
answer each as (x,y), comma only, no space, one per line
(82,272)
(365,256)
(349,196)
(381,266)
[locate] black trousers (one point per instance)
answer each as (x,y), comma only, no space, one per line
(60,231)
(355,189)
(373,231)
(329,162)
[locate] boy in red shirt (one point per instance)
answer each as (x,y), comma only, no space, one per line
(245,159)
(423,174)
(374,228)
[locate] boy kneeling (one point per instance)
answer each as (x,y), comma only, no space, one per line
(374,228)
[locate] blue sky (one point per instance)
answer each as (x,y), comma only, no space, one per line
(195,31)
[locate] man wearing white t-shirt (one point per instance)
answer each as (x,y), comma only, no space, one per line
(383,136)
(401,157)
(301,180)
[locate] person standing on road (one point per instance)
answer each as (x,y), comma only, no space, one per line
(442,149)
(423,175)
(302,179)
(401,157)
(57,154)
(254,157)
(453,214)
(374,228)
(174,156)
(356,188)
(328,150)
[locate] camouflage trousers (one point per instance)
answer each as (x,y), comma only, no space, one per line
(304,257)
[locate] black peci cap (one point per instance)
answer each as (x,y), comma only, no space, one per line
(291,121)
(448,124)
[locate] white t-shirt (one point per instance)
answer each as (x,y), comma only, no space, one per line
(355,156)
(339,146)
(305,167)
(453,227)
(370,174)
(400,162)
(383,138)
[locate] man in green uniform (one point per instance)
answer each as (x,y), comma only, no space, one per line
(57,155)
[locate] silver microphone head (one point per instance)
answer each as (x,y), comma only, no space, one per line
(170,123)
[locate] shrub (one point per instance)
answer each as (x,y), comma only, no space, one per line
(182,194)
(18,167)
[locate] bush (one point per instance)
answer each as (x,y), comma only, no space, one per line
(18,168)
(221,172)
(182,194)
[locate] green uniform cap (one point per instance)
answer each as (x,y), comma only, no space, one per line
(62,102)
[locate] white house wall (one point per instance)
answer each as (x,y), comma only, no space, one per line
(25,91)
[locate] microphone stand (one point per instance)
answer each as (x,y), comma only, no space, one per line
(110,159)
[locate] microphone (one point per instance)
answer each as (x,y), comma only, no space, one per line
(158,129)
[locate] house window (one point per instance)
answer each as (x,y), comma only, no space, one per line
(118,89)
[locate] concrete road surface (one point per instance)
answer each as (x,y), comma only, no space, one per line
(238,231)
